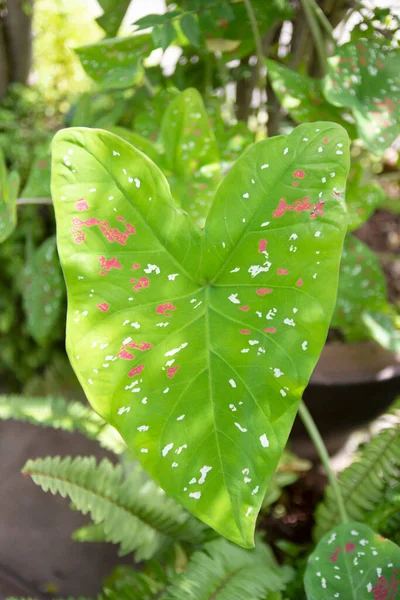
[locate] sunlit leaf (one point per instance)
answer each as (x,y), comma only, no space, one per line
(362,197)
(302,97)
(362,284)
(191,153)
(364,76)
(137,140)
(113,14)
(352,562)
(43,291)
(116,62)
(197,345)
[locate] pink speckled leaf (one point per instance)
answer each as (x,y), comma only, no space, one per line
(364,76)
(196,345)
(352,562)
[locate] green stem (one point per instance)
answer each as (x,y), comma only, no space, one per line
(21,201)
(257,40)
(316,438)
(323,20)
(316,32)
(148,86)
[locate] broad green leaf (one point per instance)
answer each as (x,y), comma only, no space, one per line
(362,284)
(191,153)
(113,14)
(362,197)
(116,62)
(302,97)
(352,562)
(197,345)
(364,77)
(38,184)
(43,291)
(190,27)
(137,140)
(9,187)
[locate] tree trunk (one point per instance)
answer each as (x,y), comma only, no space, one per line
(15,42)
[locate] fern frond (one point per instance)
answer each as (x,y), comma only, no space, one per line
(94,532)
(227,572)
(60,414)
(364,483)
(139,516)
(127,584)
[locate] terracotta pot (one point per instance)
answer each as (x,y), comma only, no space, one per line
(351,385)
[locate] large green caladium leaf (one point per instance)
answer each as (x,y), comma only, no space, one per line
(352,562)
(302,97)
(43,291)
(364,76)
(362,197)
(116,62)
(197,345)
(362,285)
(9,187)
(191,153)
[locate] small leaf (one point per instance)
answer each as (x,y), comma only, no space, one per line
(113,14)
(167,35)
(43,292)
(191,154)
(362,198)
(302,97)
(362,284)
(190,27)
(364,77)
(9,187)
(352,562)
(154,20)
(197,345)
(116,62)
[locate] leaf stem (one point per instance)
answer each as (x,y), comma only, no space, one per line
(148,86)
(316,32)
(316,438)
(323,20)
(257,40)
(21,201)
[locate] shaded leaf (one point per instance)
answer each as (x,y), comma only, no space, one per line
(354,563)
(154,20)
(9,187)
(190,27)
(364,76)
(43,291)
(38,184)
(302,97)
(362,197)
(167,35)
(116,62)
(113,14)
(381,327)
(197,345)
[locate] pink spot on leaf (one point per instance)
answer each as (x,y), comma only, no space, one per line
(325,140)
(245,308)
(335,555)
(81,204)
(282,271)
(263,291)
(107,265)
(349,547)
(171,371)
(299,173)
(245,331)
(140,284)
(262,245)
(135,266)
(103,307)
(162,308)
(136,371)
(124,354)
(111,234)
(295,183)
(299,282)
(270,330)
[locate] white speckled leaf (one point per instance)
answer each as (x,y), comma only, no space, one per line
(364,76)
(116,62)
(352,562)
(363,196)
(191,153)
(196,345)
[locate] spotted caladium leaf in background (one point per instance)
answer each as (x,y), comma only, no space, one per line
(352,562)
(9,187)
(365,77)
(362,285)
(137,140)
(302,97)
(191,153)
(43,292)
(362,197)
(116,62)
(38,184)
(382,327)
(113,14)
(197,345)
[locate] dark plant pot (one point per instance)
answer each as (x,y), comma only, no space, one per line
(351,385)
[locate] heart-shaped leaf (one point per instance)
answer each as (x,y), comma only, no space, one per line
(362,285)
(9,187)
(364,76)
(191,153)
(116,62)
(43,291)
(302,97)
(197,345)
(352,562)
(362,197)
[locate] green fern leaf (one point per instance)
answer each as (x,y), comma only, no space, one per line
(139,516)
(127,584)
(59,414)
(364,483)
(228,572)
